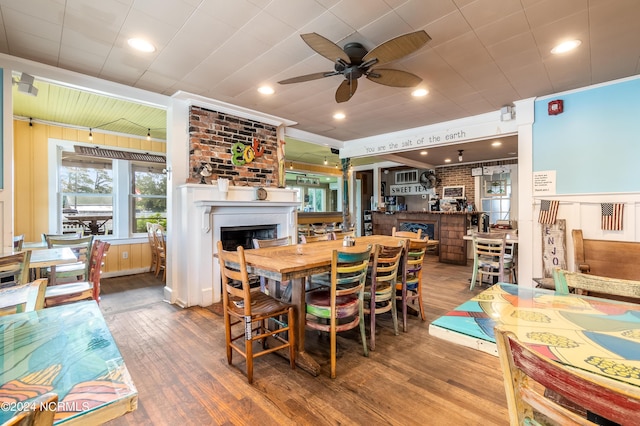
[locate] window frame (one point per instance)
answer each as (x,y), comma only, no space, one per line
(122,180)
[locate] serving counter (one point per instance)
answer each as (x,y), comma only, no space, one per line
(447,227)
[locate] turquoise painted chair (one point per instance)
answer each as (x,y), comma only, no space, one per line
(340,307)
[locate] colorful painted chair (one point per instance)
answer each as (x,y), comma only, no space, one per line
(528,375)
(380,288)
(489,259)
(409,286)
(340,307)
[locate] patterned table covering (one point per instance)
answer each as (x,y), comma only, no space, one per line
(68,350)
(598,335)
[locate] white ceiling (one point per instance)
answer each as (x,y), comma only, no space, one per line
(484,54)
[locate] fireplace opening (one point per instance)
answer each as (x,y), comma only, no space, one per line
(234,236)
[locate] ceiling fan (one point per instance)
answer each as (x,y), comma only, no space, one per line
(354,61)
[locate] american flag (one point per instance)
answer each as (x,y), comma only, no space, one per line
(612,216)
(548,211)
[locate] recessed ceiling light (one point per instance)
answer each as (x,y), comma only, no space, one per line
(566,46)
(419,92)
(266,90)
(141,45)
(496,143)
(423,152)
(447,160)
(339,116)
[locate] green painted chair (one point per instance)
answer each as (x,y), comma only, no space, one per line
(340,307)
(77,271)
(380,287)
(489,259)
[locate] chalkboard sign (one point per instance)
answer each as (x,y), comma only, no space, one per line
(554,247)
(453,192)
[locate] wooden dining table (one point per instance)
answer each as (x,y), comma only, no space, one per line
(67,350)
(600,336)
(297,262)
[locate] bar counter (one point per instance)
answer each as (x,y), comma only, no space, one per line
(448,227)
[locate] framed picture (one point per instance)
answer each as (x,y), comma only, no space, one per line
(453,191)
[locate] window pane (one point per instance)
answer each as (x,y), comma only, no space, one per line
(149,202)
(85,175)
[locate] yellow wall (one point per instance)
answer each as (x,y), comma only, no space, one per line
(31,182)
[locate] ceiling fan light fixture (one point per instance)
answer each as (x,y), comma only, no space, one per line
(141,45)
(566,46)
(266,90)
(419,93)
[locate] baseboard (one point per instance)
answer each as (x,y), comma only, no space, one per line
(124,273)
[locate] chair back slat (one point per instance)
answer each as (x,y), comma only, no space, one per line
(527,373)
(274,242)
(14,269)
(565,280)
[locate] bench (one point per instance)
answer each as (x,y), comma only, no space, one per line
(606,258)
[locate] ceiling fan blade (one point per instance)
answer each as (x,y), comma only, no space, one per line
(325,47)
(346,90)
(393,78)
(308,77)
(397,48)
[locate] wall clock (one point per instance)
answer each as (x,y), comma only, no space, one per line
(261,194)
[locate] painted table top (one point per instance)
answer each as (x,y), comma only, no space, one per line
(597,335)
(68,350)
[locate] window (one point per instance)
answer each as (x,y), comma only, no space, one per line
(149,196)
(407,176)
(86,188)
(122,193)
(496,196)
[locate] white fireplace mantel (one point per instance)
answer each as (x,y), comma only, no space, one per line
(203,213)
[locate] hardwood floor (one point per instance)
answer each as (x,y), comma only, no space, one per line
(177,360)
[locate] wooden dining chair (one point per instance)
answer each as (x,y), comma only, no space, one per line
(273,242)
(528,375)
(23,298)
(14,269)
(489,259)
(406,234)
(39,412)
(566,281)
(152,246)
(380,287)
(77,271)
(246,314)
(159,239)
(306,239)
(18,241)
(409,286)
(80,290)
(341,306)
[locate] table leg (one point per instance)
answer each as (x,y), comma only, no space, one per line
(303,359)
